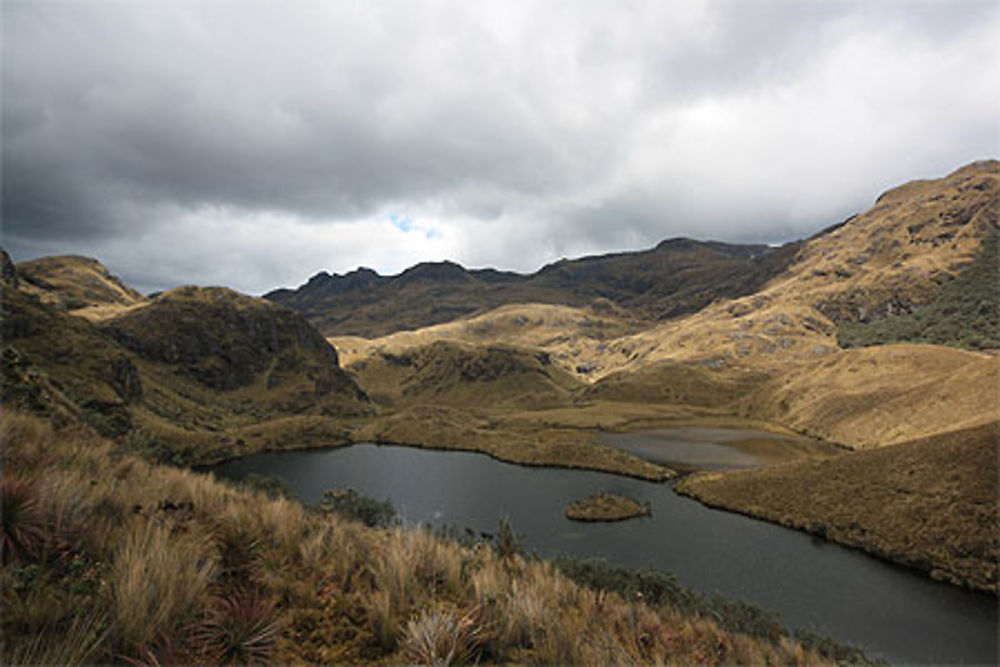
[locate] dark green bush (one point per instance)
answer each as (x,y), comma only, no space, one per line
(966,312)
(351,504)
(662,589)
(273,486)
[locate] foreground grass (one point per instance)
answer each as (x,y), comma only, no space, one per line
(107,558)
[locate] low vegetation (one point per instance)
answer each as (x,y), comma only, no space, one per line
(966,312)
(114,559)
(660,588)
(605,507)
(930,504)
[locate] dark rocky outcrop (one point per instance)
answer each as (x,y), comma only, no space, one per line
(225,340)
(8,272)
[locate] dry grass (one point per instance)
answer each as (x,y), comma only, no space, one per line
(882,395)
(930,503)
(517,437)
(159,579)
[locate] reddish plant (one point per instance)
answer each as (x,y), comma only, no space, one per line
(23,525)
(239,628)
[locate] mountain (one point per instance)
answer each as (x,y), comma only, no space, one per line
(195,373)
(676,277)
(72,282)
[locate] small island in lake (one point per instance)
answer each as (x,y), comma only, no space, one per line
(606,507)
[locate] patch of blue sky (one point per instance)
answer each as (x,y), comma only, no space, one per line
(406,223)
(403,223)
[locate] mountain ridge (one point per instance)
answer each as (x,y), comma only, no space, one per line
(676,276)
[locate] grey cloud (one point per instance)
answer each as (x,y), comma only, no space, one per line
(528,130)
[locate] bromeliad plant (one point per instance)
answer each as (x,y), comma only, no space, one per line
(239,628)
(24,528)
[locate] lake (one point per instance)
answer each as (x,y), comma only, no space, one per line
(889,611)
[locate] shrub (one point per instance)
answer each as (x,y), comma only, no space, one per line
(966,312)
(352,505)
(272,486)
(507,542)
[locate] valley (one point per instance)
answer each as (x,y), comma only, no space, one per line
(845,386)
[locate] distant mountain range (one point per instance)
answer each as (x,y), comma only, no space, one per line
(677,277)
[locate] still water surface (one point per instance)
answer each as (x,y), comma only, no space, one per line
(889,611)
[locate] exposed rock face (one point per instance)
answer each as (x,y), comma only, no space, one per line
(225,340)
(8,272)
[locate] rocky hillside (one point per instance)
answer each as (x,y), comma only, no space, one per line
(965,313)
(890,259)
(678,276)
(225,340)
(192,373)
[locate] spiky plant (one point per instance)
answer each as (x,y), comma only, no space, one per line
(240,628)
(443,637)
(23,531)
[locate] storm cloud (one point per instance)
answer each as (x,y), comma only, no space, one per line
(253,144)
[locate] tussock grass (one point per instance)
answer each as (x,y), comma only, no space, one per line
(158,565)
(159,580)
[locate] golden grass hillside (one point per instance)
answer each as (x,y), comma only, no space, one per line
(77,283)
(931,503)
(107,558)
(774,355)
(881,395)
(456,374)
(890,258)
(568,334)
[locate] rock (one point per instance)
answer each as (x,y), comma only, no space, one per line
(8,272)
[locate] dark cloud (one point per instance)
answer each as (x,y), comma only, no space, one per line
(253,144)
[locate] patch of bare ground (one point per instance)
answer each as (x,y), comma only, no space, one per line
(930,504)
(606,507)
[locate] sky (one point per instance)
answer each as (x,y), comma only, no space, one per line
(253,144)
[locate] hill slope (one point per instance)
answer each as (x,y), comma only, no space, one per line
(194,373)
(930,503)
(76,283)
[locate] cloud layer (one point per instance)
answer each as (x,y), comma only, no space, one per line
(253,144)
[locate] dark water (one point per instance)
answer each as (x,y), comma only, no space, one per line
(889,611)
(700,447)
